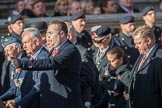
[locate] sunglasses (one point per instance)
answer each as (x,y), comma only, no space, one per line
(100,41)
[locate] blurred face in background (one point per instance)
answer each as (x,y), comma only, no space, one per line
(89,7)
(20,6)
(75,7)
(39,9)
(79,24)
(29,4)
(110,7)
(62,7)
(126,3)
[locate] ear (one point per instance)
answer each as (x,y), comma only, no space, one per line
(62,34)
(149,41)
(9,28)
(69,36)
(36,41)
(18,49)
(143,17)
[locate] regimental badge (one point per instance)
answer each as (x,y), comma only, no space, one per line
(55,52)
(9,19)
(18,82)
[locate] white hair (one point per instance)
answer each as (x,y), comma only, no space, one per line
(34,33)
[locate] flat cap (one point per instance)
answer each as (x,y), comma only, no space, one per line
(102,32)
(126,19)
(77,16)
(6,40)
(146,10)
(41,26)
(13,18)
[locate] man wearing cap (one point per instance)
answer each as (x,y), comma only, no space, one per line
(104,40)
(149,18)
(124,38)
(78,24)
(12,50)
(15,25)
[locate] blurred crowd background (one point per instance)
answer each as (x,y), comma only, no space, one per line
(53,7)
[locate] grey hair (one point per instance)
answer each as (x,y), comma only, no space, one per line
(34,33)
(16,44)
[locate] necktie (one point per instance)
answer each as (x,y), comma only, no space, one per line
(142,61)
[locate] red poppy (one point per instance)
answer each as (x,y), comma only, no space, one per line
(55,52)
(18,70)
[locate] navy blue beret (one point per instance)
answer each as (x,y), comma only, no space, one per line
(41,26)
(13,18)
(77,16)
(6,40)
(127,19)
(103,31)
(146,10)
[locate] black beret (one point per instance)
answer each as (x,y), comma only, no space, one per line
(13,18)
(146,10)
(41,26)
(102,32)
(127,19)
(77,16)
(6,40)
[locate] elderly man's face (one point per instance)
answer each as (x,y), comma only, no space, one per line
(29,44)
(79,24)
(103,43)
(10,52)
